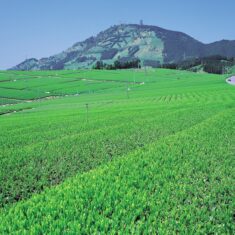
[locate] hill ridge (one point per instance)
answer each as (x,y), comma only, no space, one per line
(153,45)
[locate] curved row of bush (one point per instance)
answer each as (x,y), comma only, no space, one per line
(181,184)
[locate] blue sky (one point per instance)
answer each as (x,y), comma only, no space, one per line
(40,28)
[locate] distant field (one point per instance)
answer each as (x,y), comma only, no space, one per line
(130,151)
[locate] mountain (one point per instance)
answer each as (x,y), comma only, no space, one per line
(151,44)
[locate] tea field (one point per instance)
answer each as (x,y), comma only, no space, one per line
(116,152)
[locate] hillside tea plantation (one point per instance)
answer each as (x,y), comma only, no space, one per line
(116,152)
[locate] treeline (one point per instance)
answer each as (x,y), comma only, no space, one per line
(213,64)
(118,65)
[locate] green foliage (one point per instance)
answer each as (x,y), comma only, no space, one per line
(212,64)
(118,65)
(151,153)
(180,184)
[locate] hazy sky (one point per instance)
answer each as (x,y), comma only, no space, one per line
(40,28)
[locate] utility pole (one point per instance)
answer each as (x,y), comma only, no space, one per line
(87,113)
(27,69)
(38,96)
(127,91)
(26,61)
(145,70)
(134,76)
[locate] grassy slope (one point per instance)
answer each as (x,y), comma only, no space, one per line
(52,142)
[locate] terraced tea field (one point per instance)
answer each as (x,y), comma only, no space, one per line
(128,152)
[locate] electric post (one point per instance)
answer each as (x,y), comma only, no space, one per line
(134,76)
(127,91)
(38,97)
(87,113)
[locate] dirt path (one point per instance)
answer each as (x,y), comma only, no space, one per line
(231,80)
